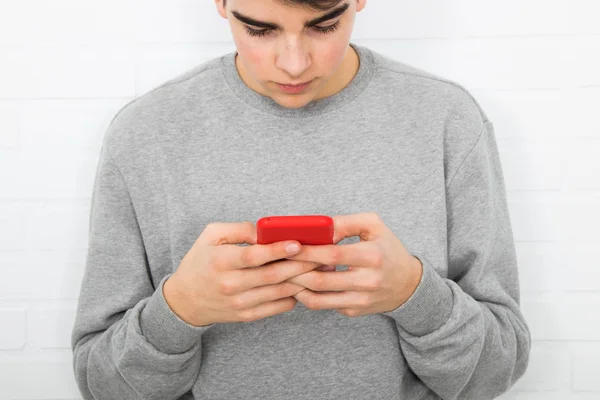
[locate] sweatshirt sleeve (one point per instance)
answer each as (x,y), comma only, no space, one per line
(464,335)
(127,343)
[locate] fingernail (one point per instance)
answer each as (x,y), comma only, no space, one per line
(292,248)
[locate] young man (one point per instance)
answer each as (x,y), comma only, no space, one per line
(179,302)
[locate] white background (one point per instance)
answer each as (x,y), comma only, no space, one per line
(67,66)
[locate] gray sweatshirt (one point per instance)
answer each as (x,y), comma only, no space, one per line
(415,148)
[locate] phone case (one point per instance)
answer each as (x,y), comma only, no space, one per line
(307,229)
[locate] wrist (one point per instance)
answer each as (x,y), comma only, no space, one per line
(413,275)
(179,302)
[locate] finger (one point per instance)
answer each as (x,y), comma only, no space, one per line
(365,225)
(279,271)
(318,281)
(326,268)
(264,294)
(218,233)
(269,309)
(237,257)
(322,301)
(361,254)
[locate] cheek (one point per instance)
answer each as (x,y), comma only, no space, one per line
(334,51)
(256,59)
(332,55)
(254,56)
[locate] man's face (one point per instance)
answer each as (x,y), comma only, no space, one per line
(281,44)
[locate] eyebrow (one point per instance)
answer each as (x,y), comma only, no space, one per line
(336,12)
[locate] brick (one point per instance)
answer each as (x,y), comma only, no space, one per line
(549,368)
(489,63)
(541,266)
(562,395)
(582,110)
(80,72)
(585,59)
(11,222)
(419,19)
(67,124)
(532,164)
(152,68)
(522,114)
(513,17)
(563,316)
(578,269)
(534,215)
(13,323)
(41,275)
(50,327)
(583,16)
(582,165)
(44,175)
(9,182)
(9,134)
(586,364)
(579,217)
(30,378)
(65,224)
(172,21)
(60,22)
(513,63)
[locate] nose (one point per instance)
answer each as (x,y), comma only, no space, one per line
(293,58)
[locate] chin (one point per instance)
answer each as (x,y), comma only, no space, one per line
(289,101)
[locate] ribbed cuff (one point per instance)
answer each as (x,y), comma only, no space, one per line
(164,329)
(430,305)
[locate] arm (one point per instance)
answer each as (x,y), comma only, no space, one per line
(465,336)
(126,341)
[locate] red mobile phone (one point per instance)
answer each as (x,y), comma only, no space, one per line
(307,229)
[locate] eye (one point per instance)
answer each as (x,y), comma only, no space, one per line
(328,28)
(256,32)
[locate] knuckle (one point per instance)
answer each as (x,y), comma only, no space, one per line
(376,258)
(373,284)
(281,291)
(216,261)
(226,287)
(211,227)
(335,256)
(271,275)
(247,256)
(306,266)
(375,217)
(319,282)
(285,290)
(290,305)
(311,304)
(238,304)
(247,315)
(351,312)
(363,302)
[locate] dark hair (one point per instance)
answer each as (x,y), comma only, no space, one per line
(317,5)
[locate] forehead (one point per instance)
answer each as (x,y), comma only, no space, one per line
(314,6)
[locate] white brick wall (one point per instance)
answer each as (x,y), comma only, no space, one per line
(67,66)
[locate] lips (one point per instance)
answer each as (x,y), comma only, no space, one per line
(294,89)
(295,85)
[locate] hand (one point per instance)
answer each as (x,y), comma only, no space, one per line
(219,281)
(381,274)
